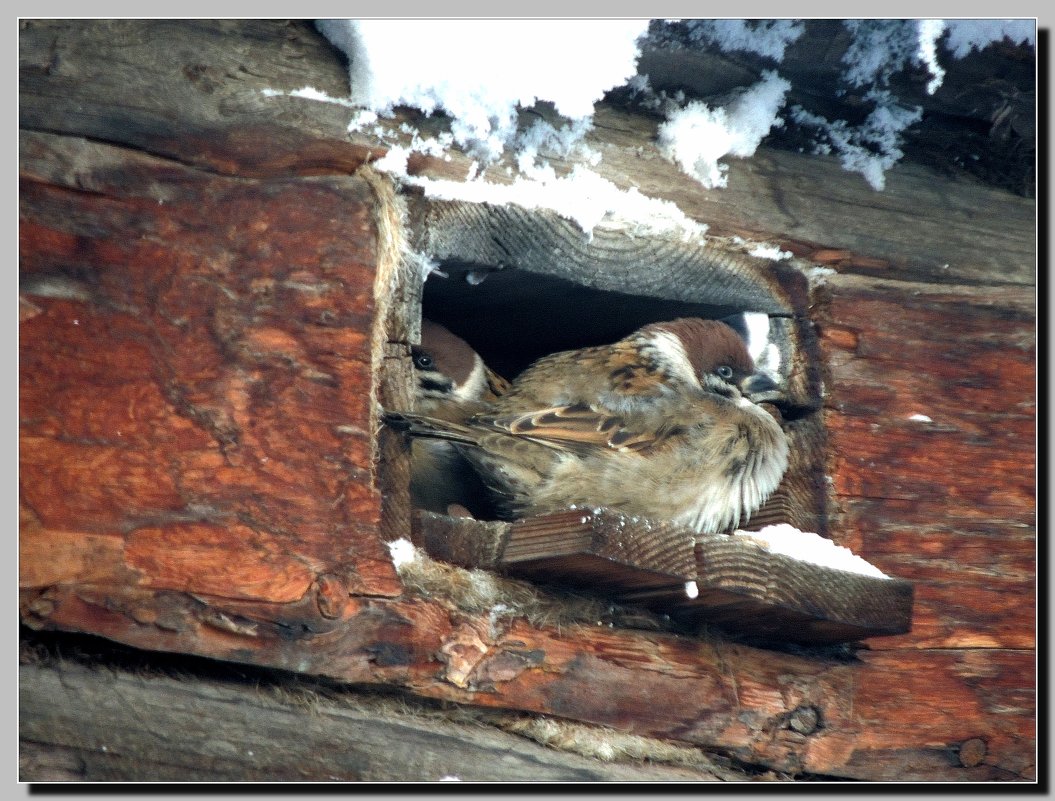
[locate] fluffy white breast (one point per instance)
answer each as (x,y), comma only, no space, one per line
(726,498)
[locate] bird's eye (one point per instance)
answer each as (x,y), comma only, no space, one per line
(724,371)
(422,361)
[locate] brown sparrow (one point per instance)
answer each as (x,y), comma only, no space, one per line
(450,374)
(451,383)
(659,424)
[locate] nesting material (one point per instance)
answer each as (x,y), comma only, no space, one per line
(478,591)
(599,742)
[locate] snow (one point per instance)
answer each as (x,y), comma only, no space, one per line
(696,136)
(930,30)
(809,547)
(311,93)
(402,552)
(769,38)
(966,35)
(581,196)
(873,147)
(878,49)
(882,47)
(761,251)
(757,324)
(480,70)
(483,73)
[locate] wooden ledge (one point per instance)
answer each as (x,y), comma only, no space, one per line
(732,582)
(744,587)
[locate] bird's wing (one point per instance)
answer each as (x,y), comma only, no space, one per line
(577,427)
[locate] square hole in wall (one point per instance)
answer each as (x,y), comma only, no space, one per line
(518,285)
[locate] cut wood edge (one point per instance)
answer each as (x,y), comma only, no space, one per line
(461,541)
(698,579)
(749,589)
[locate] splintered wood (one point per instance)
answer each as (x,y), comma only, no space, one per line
(732,582)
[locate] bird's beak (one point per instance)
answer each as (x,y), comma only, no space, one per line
(761,388)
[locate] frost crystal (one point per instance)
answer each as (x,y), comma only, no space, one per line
(966,35)
(871,148)
(766,37)
(696,136)
(930,30)
(770,252)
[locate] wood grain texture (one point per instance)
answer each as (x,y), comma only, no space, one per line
(89,725)
(194,313)
(741,586)
(193,384)
(460,541)
(75,77)
(607,259)
(602,550)
(882,713)
(931,415)
(770,596)
(919,227)
(211,109)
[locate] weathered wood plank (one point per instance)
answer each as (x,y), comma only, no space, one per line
(461,541)
(192,91)
(173,397)
(880,713)
(974,573)
(79,77)
(931,414)
(601,550)
(771,596)
(80,723)
(714,578)
(922,225)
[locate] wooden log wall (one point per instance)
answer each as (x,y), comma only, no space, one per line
(200,350)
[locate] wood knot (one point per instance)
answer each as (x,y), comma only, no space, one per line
(840,337)
(972,752)
(42,607)
(207,79)
(804,720)
(330,595)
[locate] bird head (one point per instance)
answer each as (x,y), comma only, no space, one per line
(447,370)
(710,354)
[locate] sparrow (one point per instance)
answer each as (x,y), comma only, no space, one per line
(664,424)
(451,383)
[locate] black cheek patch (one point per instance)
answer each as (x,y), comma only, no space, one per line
(434,385)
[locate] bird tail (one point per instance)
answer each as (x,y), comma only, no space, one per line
(419,425)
